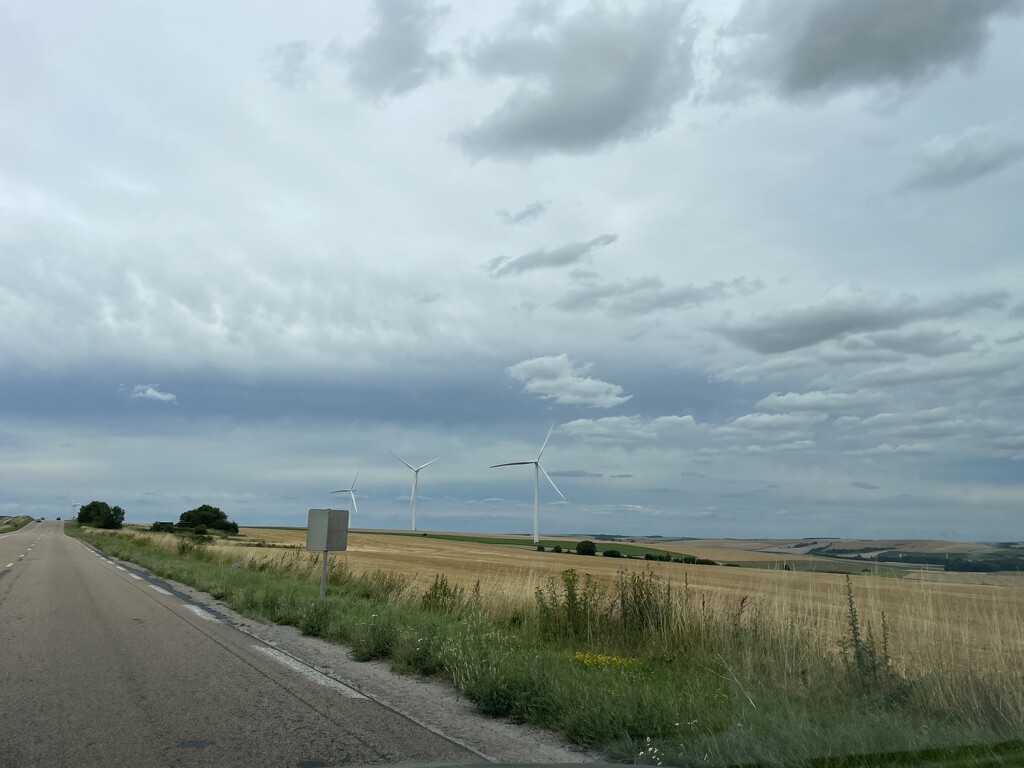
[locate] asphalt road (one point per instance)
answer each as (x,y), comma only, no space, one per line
(103,666)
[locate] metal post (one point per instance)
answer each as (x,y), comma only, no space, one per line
(323,576)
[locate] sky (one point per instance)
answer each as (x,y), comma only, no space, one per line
(760,263)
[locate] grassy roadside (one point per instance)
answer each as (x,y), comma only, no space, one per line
(645,673)
(12,524)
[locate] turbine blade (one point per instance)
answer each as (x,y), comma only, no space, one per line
(545,445)
(410,466)
(552,483)
(356,477)
(342,490)
(355,509)
(428,464)
(512,464)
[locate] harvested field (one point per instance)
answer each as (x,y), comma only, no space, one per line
(942,623)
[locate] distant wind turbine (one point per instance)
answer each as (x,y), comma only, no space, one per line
(351,491)
(415,481)
(537,469)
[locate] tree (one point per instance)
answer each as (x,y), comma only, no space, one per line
(99,514)
(586,548)
(209,517)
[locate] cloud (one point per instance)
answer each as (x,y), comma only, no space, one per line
(150,392)
(601,76)
(775,421)
(839,317)
(1011,339)
(1017,311)
(822,47)
(575,473)
(395,57)
(289,63)
(620,476)
(929,342)
(947,161)
(888,449)
(796,445)
(532,212)
(570,253)
(865,486)
(624,428)
(896,375)
(650,294)
(558,378)
(831,402)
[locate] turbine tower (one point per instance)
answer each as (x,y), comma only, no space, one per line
(537,469)
(415,481)
(351,491)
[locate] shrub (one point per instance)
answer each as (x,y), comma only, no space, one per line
(540,547)
(162,527)
(99,514)
(209,517)
(612,553)
(557,548)
(586,548)
(442,596)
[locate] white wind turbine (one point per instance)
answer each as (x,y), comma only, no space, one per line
(351,490)
(415,481)
(537,469)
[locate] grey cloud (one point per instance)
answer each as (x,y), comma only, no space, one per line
(575,473)
(865,486)
(624,428)
(1017,311)
(947,371)
(831,402)
(570,253)
(289,63)
(558,378)
(802,47)
(603,75)
(929,342)
(620,476)
(1011,339)
(888,449)
(836,318)
(395,57)
(650,294)
(952,161)
(532,212)
(775,421)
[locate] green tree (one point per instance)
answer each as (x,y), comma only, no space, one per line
(586,548)
(99,514)
(209,517)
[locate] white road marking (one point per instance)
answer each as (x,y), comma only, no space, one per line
(308,672)
(120,568)
(135,576)
(201,613)
(161,590)
(9,565)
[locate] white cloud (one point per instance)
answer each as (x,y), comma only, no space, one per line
(151,392)
(831,402)
(558,378)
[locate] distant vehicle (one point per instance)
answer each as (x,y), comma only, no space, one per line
(58,518)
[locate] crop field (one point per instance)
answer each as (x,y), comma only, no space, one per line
(945,622)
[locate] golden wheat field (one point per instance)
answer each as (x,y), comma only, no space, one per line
(940,625)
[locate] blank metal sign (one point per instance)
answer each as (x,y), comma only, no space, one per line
(327,530)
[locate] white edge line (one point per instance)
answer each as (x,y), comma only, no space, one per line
(120,568)
(309,673)
(161,590)
(9,565)
(201,613)
(134,576)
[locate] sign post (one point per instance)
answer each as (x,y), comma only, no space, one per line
(326,532)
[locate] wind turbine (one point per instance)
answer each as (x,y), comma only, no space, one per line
(415,481)
(351,490)
(537,469)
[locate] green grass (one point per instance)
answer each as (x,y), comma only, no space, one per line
(644,673)
(11,524)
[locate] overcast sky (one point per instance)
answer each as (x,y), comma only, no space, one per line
(760,262)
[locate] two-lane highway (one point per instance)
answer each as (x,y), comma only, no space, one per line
(100,666)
